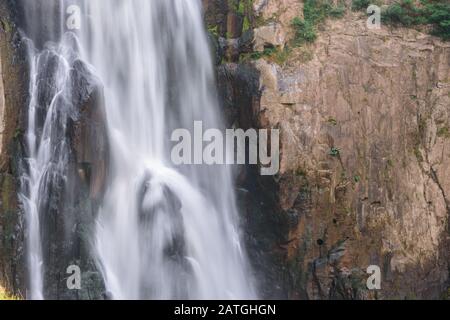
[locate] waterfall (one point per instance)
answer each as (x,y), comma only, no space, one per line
(162,231)
(49,111)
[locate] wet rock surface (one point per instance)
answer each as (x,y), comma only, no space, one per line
(90,141)
(13,96)
(77,192)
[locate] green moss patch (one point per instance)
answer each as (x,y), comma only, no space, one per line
(410,13)
(314,13)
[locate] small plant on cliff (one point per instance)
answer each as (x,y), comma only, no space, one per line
(214,31)
(314,13)
(258,55)
(413,13)
(276,55)
(360,4)
(443,132)
(438,13)
(246,25)
(243,8)
(335,152)
(433,12)
(5,296)
(304,31)
(337,12)
(332,121)
(405,13)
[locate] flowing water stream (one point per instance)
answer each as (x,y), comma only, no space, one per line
(162,232)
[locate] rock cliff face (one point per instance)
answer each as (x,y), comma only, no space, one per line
(364,179)
(13,96)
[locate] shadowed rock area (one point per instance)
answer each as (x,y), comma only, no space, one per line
(13,97)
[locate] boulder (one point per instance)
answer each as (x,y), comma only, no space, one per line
(90,139)
(271,35)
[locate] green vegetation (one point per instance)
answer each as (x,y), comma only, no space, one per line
(246,24)
(418,154)
(276,55)
(305,31)
(404,12)
(4,24)
(332,121)
(314,12)
(414,13)
(214,31)
(337,12)
(243,8)
(443,132)
(5,296)
(335,152)
(438,14)
(266,53)
(280,56)
(361,4)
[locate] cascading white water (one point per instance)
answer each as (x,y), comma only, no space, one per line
(47,147)
(163,232)
(154,59)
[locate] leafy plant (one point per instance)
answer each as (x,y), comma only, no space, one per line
(438,13)
(433,12)
(214,30)
(443,132)
(408,13)
(405,13)
(314,13)
(338,11)
(304,31)
(246,25)
(360,4)
(267,52)
(276,55)
(335,152)
(243,9)
(332,121)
